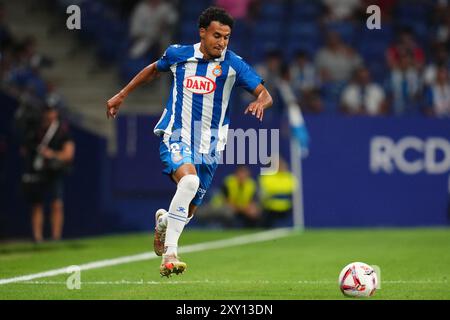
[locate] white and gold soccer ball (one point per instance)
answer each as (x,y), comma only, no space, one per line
(358,279)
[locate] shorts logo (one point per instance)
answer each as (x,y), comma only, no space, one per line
(175,147)
(175,152)
(199,85)
(217,71)
(201,193)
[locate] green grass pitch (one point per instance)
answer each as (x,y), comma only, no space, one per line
(415,264)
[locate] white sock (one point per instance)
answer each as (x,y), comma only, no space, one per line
(162,222)
(178,211)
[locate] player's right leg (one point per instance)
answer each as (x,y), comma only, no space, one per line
(178,163)
(37,221)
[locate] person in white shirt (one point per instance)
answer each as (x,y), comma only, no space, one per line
(438,95)
(150,25)
(339,10)
(336,61)
(404,86)
(363,96)
(305,83)
(441,58)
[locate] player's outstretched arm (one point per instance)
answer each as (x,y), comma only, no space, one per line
(263,101)
(147,74)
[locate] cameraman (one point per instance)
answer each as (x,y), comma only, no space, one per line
(48,156)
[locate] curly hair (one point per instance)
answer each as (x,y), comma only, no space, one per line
(215,14)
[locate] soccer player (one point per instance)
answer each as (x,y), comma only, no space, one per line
(194,125)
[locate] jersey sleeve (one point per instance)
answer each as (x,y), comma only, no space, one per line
(247,77)
(167,59)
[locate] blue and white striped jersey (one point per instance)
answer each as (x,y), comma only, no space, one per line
(197,111)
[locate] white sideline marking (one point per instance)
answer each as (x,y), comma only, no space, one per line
(236,241)
(221,282)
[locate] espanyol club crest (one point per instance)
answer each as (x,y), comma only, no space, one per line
(217,71)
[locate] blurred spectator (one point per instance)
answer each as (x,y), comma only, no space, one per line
(363,96)
(29,56)
(440,10)
(214,212)
(24,74)
(45,162)
(276,191)
(151,27)
(28,81)
(406,43)
(305,83)
(443,24)
(438,95)
(404,85)
(441,59)
(234,205)
(270,69)
(336,62)
(239,190)
(48,151)
(338,10)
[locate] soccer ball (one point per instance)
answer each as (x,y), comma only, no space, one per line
(358,279)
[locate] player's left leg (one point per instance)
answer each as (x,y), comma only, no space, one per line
(161,226)
(160,231)
(37,221)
